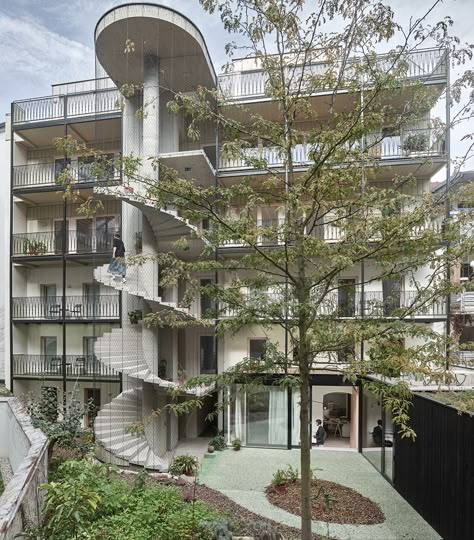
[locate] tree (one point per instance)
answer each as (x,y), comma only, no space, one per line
(319,155)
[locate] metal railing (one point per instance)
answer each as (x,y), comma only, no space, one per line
(423,64)
(83,308)
(77,366)
(463,359)
(407,144)
(71,106)
(463,302)
(45,174)
(53,243)
(407,304)
(264,239)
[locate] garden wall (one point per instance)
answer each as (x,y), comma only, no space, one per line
(26,449)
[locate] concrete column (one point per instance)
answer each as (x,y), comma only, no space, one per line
(151,114)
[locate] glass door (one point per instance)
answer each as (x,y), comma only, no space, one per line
(84,235)
(346,298)
(61,245)
(49,351)
(391,296)
(50,302)
(91,294)
(104,233)
(89,354)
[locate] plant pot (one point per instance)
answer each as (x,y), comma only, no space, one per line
(236,448)
(280,489)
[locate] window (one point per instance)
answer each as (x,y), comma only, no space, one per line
(208,360)
(391,296)
(257,348)
(466,272)
(60,164)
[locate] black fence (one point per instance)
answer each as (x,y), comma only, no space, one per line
(435,473)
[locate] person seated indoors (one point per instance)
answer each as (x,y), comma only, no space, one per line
(377,434)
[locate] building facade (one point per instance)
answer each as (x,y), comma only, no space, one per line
(72,325)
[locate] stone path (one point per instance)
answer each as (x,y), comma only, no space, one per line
(243,476)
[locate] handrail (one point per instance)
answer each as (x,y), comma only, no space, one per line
(77,365)
(39,244)
(93,307)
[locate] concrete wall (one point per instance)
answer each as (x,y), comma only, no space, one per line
(26,448)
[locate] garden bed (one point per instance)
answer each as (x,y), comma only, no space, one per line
(345,505)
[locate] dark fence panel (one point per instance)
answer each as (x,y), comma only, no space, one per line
(435,473)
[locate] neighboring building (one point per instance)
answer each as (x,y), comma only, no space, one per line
(71,324)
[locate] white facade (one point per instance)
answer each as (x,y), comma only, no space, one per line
(71,322)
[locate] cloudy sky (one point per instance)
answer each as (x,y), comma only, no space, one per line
(51,41)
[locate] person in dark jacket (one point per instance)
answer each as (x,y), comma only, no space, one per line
(320,434)
(117,265)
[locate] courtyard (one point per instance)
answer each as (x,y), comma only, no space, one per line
(243,476)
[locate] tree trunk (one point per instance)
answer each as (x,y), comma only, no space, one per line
(305,457)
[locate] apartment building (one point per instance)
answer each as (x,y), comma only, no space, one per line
(71,324)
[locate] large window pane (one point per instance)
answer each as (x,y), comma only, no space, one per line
(267,416)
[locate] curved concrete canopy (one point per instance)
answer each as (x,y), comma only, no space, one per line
(153,31)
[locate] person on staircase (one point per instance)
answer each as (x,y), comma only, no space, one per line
(117,264)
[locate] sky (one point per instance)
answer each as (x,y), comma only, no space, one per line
(51,41)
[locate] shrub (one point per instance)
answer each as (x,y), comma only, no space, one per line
(265,531)
(218,442)
(216,530)
(184,464)
(281,477)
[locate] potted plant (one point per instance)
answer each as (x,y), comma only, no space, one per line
(135,316)
(415,142)
(138,242)
(279,481)
(34,247)
(236,444)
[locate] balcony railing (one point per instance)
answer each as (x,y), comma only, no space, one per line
(45,174)
(463,302)
(424,64)
(58,107)
(53,243)
(408,144)
(375,305)
(77,366)
(263,240)
(463,359)
(77,308)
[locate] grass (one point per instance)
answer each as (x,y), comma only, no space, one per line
(463,400)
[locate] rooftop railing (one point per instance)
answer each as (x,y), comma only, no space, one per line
(76,366)
(60,107)
(46,243)
(78,308)
(46,174)
(423,64)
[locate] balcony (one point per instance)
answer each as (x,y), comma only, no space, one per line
(43,175)
(76,308)
(66,107)
(264,239)
(425,65)
(76,366)
(406,304)
(80,242)
(463,302)
(412,144)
